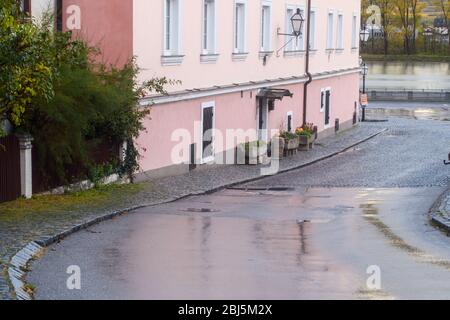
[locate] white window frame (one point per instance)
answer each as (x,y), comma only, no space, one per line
(243,37)
(266,27)
(355,35)
(313,30)
(330,30)
(323,92)
(209,34)
(340,31)
(296,44)
(174,45)
(205,105)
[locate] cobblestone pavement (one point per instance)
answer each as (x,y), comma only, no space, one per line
(16,233)
(409,154)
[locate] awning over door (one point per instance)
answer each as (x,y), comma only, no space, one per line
(274,94)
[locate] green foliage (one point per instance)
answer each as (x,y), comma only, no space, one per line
(101,171)
(52,88)
(286,135)
(26,72)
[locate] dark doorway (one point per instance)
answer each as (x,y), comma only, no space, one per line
(327,107)
(208,137)
(9,168)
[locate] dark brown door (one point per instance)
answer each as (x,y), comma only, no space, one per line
(208,125)
(327,107)
(9,168)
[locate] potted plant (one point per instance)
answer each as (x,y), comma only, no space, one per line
(291,142)
(253,152)
(307,134)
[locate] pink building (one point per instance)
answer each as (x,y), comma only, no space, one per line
(229,55)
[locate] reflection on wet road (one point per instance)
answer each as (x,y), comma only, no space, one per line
(297,244)
(439,112)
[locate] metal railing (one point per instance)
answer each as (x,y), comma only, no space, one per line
(424,95)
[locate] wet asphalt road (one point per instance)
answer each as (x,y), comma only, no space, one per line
(314,239)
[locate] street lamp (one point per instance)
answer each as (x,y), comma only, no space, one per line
(297,21)
(364,72)
(364,34)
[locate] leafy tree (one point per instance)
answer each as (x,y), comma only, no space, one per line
(444,8)
(92,104)
(25,70)
(386,8)
(51,87)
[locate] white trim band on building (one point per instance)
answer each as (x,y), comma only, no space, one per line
(253,85)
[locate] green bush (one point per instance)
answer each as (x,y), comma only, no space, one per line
(52,88)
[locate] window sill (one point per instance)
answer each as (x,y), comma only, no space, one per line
(340,50)
(329,51)
(241,56)
(312,51)
(209,58)
(355,49)
(294,53)
(172,60)
(263,54)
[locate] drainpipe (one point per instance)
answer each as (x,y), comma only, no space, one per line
(308,74)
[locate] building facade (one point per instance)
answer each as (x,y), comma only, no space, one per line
(238,66)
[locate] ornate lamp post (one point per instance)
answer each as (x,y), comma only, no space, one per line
(364,34)
(297,21)
(364,72)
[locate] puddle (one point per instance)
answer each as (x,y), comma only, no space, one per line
(431,113)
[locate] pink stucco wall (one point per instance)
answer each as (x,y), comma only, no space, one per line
(344,94)
(108,25)
(148,42)
(233,111)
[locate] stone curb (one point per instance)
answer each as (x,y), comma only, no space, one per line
(19,262)
(18,268)
(439,216)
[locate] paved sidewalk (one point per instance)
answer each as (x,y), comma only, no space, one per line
(16,233)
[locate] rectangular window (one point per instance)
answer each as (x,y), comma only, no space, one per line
(26,6)
(301,38)
(354,32)
(340,32)
(289,121)
(209,27)
(266,17)
(330,30)
(325,104)
(59,15)
(312,31)
(293,43)
(239,28)
(290,40)
(171,27)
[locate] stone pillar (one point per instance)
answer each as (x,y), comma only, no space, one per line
(26,176)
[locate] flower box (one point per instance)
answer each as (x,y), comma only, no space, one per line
(291,146)
(306,142)
(251,153)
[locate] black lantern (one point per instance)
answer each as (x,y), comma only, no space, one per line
(297,21)
(364,70)
(364,34)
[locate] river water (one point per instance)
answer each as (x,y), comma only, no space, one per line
(409,75)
